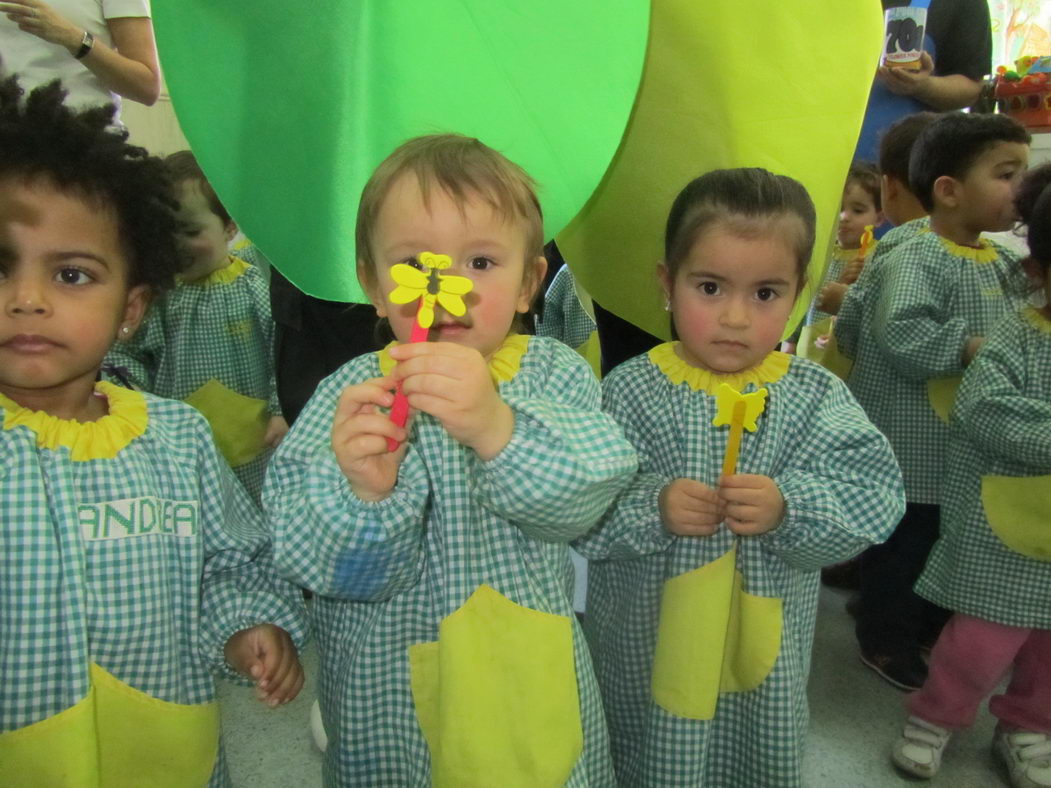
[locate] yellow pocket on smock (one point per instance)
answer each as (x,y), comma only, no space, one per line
(59,752)
(238,422)
(1018,509)
(941,394)
(144,741)
(496,696)
(834,361)
(116,737)
(808,336)
(712,637)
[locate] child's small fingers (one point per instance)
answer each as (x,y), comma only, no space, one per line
(291,685)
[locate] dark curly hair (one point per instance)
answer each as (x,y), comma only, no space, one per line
(78,152)
(1033,202)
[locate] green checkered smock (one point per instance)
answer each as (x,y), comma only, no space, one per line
(928,298)
(836,263)
(842,491)
(564,318)
(848,321)
(203,331)
(387,573)
(1001,426)
(153,608)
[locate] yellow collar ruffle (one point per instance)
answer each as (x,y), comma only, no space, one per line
(234,268)
(90,440)
(984,253)
(1037,319)
(841,255)
(770,369)
(503,365)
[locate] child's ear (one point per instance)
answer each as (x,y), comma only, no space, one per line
(1034,271)
(135,305)
(946,191)
(230,230)
(532,278)
(664,277)
(370,284)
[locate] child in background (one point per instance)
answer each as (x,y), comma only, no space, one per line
(563,317)
(990,564)
(938,294)
(133,568)
(703,586)
(900,207)
(859,209)
(449,649)
(210,341)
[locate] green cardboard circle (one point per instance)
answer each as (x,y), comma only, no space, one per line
(289,107)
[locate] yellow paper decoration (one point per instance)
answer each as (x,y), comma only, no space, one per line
(726,85)
(712,637)
(496,696)
(1018,508)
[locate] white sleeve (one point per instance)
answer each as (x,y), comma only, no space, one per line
(116,9)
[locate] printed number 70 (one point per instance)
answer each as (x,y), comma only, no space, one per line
(904,35)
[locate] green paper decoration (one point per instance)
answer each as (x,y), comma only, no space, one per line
(762,83)
(289,107)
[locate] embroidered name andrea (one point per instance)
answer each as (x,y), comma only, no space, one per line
(133,517)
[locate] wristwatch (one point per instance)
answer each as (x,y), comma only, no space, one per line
(86,43)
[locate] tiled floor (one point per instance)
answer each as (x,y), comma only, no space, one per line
(854,719)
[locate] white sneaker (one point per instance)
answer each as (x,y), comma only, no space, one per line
(317,727)
(919,750)
(1026,756)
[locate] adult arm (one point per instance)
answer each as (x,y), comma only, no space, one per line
(129,68)
(942,93)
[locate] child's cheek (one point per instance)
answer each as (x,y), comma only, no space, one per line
(694,324)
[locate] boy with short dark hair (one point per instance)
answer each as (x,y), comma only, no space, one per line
(900,207)
(937,295)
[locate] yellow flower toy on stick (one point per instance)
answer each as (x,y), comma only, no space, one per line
(431,288)
(740,412)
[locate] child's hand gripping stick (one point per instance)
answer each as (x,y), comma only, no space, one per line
(431,287)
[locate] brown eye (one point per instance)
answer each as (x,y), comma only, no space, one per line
(73,276)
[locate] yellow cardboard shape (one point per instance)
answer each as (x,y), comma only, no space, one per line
(1019,512)
(712,637)
(764,83)
(238,422)
(834,361)
(496,696)
(941,393)
(115,737)
(807,347)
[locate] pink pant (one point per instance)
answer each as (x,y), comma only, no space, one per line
(967,663)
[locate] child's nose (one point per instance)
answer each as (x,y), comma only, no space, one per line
(27,297)
(735,313)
